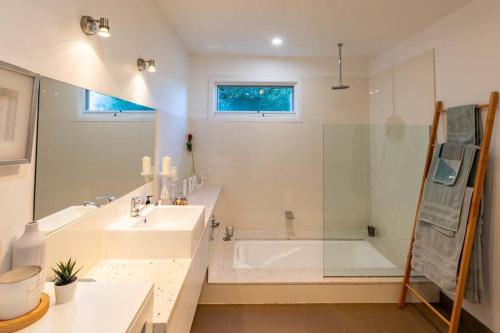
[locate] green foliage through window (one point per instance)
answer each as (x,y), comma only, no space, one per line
(255,98)
(103,103)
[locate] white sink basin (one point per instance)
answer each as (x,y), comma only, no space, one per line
(170,218)
(159,232)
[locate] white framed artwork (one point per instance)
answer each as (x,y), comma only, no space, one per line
(18,109)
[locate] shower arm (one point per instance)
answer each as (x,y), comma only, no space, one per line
(340,85)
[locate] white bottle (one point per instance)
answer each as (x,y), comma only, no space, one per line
(30,249)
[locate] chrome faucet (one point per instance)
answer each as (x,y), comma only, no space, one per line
(107,198)
(135,203)
(213,224)
(95,203)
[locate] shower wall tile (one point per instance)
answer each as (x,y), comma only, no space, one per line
(266,168)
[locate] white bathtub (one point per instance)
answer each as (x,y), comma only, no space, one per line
(340,254)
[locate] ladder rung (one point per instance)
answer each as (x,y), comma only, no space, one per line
(480,106)
(429,305)
(478,148)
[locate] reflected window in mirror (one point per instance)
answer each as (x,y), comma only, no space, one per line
(95,106)
(82,162)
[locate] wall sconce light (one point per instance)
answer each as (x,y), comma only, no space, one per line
(91,27)
(142,65)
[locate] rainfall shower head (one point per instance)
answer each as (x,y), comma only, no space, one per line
(340,85)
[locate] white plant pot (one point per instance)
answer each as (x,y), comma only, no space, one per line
(66,293)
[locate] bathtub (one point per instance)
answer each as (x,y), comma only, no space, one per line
(304,254)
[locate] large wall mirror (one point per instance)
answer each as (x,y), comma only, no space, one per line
(89,150)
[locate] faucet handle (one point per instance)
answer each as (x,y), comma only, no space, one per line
(213,222)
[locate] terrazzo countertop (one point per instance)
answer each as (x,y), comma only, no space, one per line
(167,275)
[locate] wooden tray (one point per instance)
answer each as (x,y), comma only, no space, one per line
(16,324)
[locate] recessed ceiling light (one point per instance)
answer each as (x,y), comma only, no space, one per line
(277,41)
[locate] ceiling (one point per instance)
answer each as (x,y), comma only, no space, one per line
(308,27)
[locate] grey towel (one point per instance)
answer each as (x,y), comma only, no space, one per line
(474,291)
(436,254)
(438,246)
(463,124)
(441,204)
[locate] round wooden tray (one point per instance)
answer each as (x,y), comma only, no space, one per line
(16,324)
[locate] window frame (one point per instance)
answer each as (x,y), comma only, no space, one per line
(280,116)
(82,114)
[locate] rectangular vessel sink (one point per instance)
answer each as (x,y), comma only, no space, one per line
(170,218)
(159,232)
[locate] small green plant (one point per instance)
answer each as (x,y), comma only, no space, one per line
(65,272)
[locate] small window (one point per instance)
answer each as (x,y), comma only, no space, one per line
(232,98)
(94,106)
(96,102)
(251,100)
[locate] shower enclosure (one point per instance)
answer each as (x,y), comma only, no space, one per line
(371,176)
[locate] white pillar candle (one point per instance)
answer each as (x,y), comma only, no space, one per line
(165,166)
(173,172)
(146,165)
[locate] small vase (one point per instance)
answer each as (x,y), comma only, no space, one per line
(65,293)
(30,249)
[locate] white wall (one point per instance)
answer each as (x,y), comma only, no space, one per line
(266,168)
(398,146)
(467,70)
(45,36)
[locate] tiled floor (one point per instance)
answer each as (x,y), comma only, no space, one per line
(328,318)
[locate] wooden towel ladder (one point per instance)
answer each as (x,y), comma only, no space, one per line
(453,322)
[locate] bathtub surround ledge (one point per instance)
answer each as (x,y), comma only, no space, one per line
(222,270)
(228,285)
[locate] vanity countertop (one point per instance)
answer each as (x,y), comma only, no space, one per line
(167,275)
(97,307)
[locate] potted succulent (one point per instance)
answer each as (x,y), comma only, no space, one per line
(65,282)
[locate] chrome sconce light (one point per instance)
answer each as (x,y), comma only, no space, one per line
(91,27)
(142,65)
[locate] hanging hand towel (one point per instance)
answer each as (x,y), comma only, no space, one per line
(449,163)
(441,204)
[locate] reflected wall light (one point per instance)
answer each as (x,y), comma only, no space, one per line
(142,65)
(91,27)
